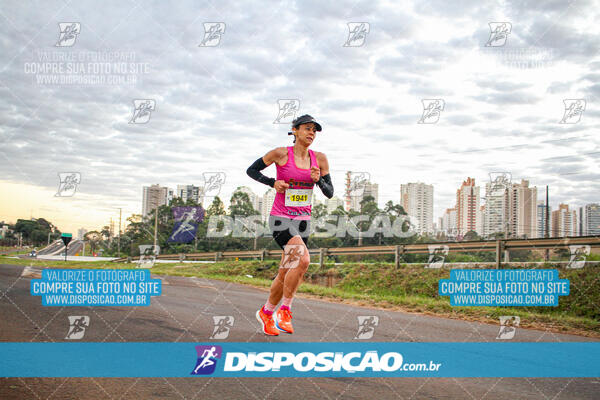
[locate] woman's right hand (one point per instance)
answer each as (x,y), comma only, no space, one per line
(280,186)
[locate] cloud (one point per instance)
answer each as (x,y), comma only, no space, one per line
(215,106)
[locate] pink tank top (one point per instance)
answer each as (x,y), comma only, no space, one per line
(299,180)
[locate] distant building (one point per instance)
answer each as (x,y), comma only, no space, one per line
(81,233)
(155,196)
(541,220)
(186,192)
(254,199)
(448,222)
(267,203)
(333,203)
(417,201)
(480,228)
(495,209)
(589,220)
(564,221)
(315,202)
(372,189)
(521,210)
(354,196)
(467,205)
(4,230)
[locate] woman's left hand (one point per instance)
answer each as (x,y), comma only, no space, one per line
(315,173)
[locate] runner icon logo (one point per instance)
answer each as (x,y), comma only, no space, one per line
(207,359)
(574,109)
(357,33)
(223,323)
(213,181)
(432,109)
(142,108)
(499,182)
(499,32)
(68,33)
(186,223)
(357,181)
(579,254)
(148,253)
(212,34)
(437,256)
(366,326)
(77,325)
(292,255)
(508,327)
(68,183)
(287,111)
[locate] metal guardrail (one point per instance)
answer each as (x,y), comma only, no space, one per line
(497,246)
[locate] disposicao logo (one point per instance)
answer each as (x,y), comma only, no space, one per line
(320,362)
(304,363)
(307,361)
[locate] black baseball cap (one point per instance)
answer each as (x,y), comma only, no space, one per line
(305,119)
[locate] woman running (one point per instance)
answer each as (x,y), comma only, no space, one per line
(298,170)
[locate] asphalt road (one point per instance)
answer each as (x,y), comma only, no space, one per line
(184,311)
(57,248)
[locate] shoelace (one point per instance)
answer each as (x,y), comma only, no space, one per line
(287,314)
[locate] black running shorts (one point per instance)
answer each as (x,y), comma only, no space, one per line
(285,228)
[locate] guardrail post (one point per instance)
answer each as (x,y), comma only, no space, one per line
(181,257)
(399,250)
(499,250)
(218,256)
(263,254)
(322,253)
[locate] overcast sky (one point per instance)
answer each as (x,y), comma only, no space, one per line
(215,105)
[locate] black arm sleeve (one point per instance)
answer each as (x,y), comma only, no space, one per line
(326,186)
(253,172)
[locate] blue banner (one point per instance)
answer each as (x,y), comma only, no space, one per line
(504,287)
(95,287)
(312,359)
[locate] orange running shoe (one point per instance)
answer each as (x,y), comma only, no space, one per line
(268,325)
(283,321)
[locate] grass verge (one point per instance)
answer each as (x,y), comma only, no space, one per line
(409,288)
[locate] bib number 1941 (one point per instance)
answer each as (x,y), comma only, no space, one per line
(298,197)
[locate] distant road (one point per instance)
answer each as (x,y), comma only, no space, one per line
(57,248)
(183,313)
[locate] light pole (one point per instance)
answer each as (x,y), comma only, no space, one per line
(119,237)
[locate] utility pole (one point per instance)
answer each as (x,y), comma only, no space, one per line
(547,225)
(119,238)
(155,221)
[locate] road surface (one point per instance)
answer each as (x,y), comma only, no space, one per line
(184,311)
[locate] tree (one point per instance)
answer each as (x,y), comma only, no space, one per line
(394,209)
(35,231)
(241,205)
(471,236)
(369,206)
(339,211)
(26,227)
(216,208)
(95,239)
(105,232)
(318,211)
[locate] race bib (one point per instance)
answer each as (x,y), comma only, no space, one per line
(298,197)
